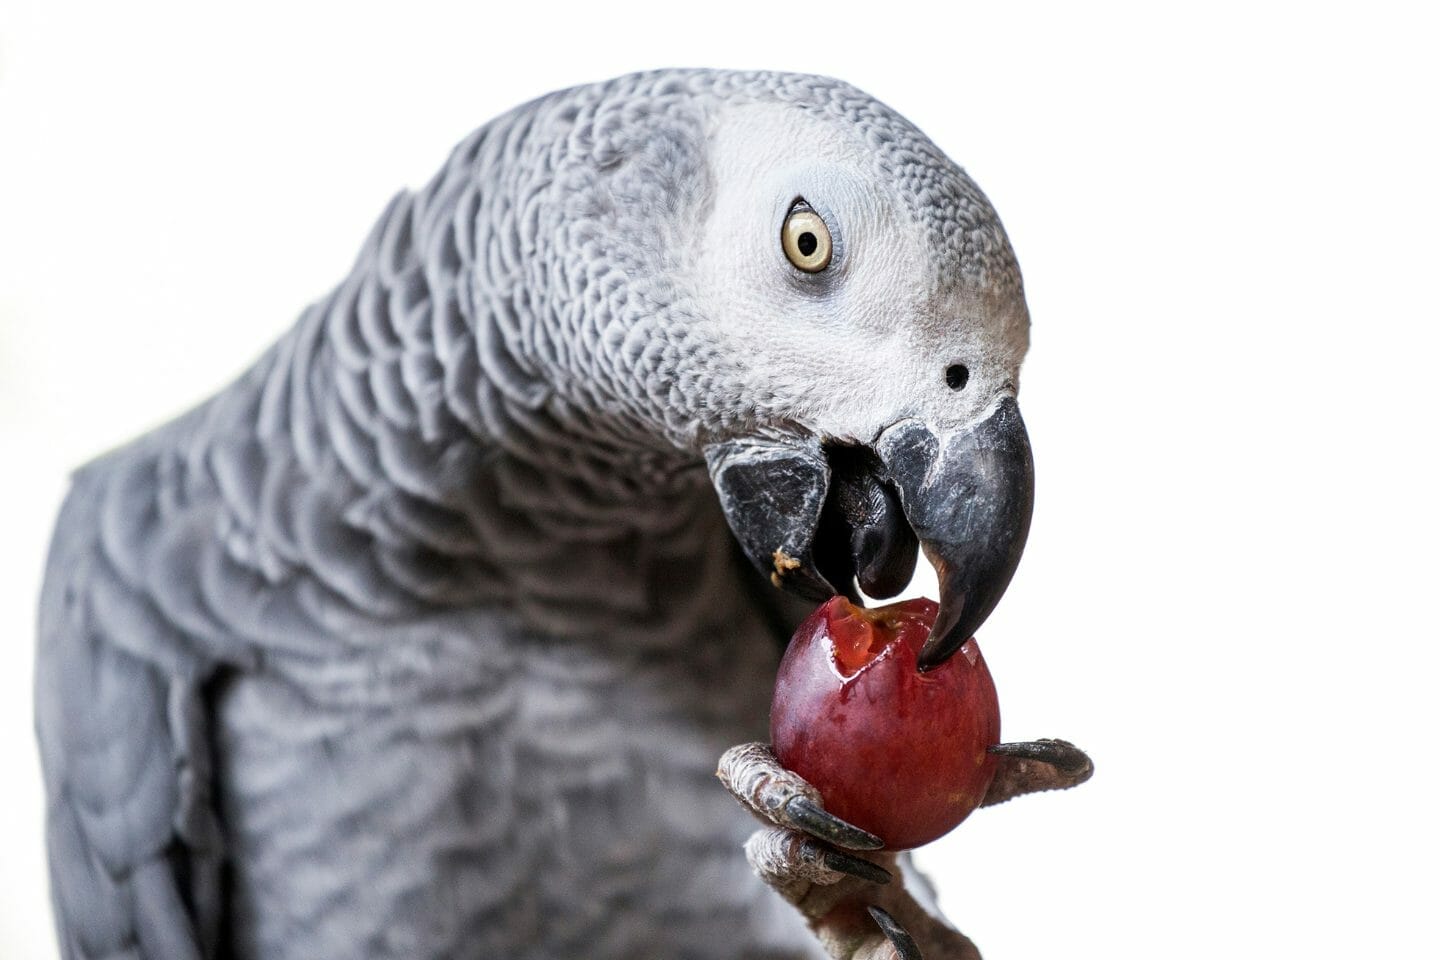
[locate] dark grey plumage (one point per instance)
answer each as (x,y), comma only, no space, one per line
(422,639)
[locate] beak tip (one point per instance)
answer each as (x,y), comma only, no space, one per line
(968,495)
(939,648)
(951,631)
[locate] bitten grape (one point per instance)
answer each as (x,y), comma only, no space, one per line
(892,750)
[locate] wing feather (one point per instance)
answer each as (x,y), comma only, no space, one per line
(122,731)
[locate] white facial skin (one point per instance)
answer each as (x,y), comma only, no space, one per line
(848,351)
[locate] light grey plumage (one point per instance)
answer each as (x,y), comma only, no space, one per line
(422,639)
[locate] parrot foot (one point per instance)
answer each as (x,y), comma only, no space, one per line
(791,861)
(1035,766)
(755,777)
(858,906)
(851,902)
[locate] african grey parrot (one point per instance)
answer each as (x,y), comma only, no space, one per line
(422,639)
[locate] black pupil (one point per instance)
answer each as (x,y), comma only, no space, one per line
(957,376)
(807,243)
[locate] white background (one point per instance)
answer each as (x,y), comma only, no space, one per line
(1228,226)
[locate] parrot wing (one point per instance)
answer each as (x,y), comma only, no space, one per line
(134,843)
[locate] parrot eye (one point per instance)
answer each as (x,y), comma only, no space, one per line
(805,238)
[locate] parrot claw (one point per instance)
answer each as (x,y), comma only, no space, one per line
(1034,766)
(804,845)
(857,867)
(1060,754)
(898,936)
(805,814)
(794,863)
(755,777)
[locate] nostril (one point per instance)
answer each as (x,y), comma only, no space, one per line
(957,375)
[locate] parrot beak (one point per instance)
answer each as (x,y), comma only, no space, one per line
(818,519)
(968,495)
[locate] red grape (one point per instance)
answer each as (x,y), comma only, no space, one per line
(892,750)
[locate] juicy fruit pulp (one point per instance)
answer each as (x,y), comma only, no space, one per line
(892,750)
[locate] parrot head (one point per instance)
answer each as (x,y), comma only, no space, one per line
(788,279)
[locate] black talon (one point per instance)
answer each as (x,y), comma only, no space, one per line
(804,813)
(855,866)
(1064,756)
(901,940)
